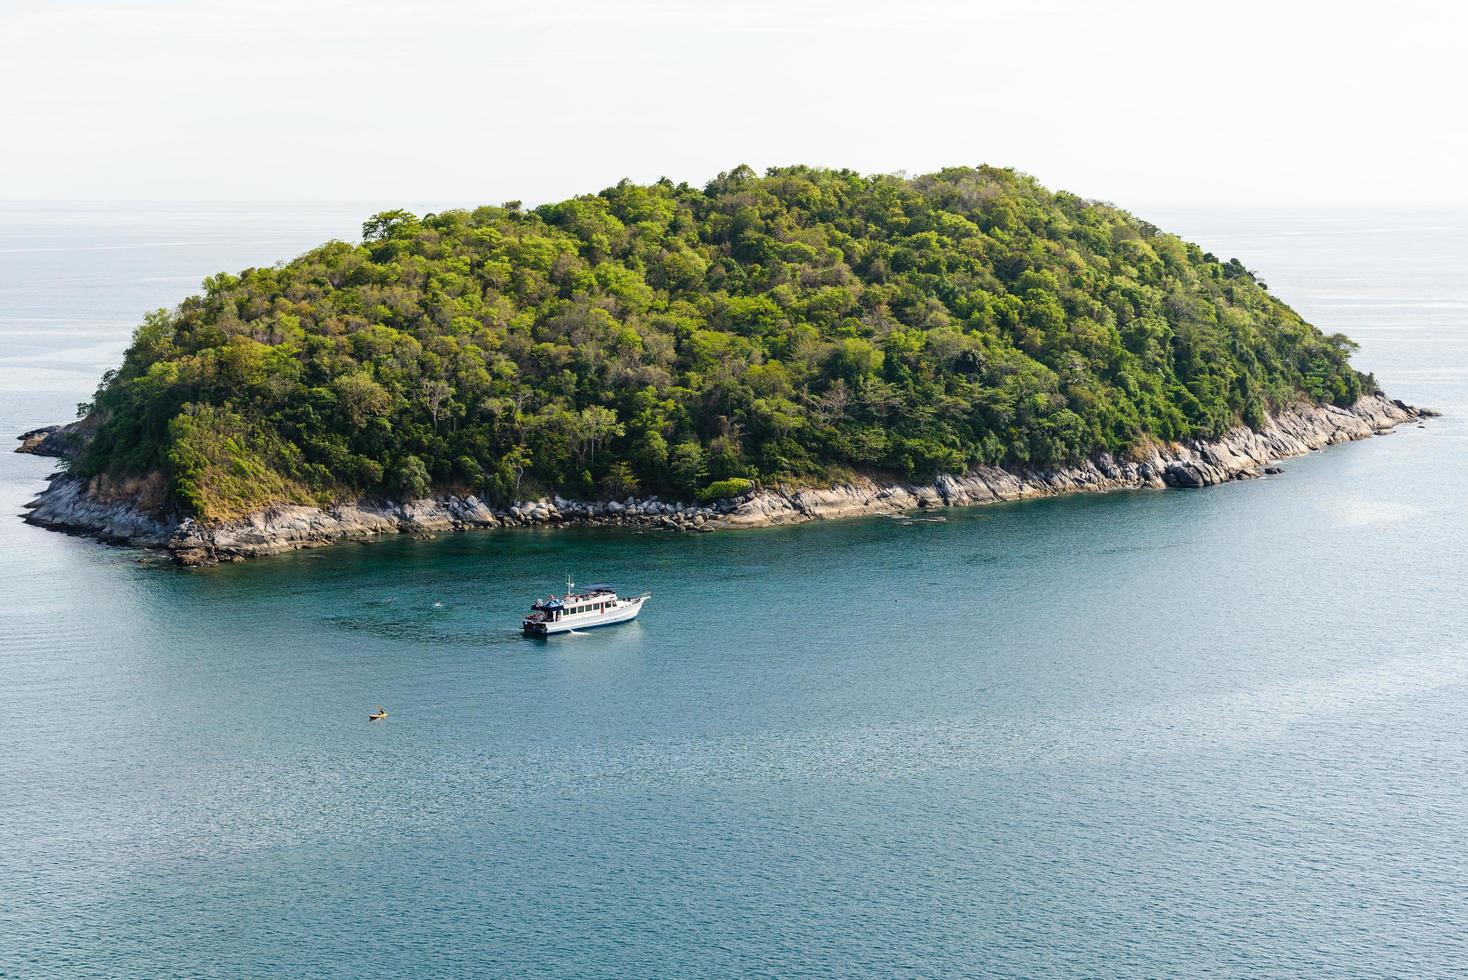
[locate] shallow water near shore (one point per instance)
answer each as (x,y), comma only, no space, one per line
(1222,731)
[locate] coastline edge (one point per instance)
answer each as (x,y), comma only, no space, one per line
(69,504)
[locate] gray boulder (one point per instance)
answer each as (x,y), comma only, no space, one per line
(1184,475)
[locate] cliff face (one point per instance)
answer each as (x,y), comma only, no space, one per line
(132,513)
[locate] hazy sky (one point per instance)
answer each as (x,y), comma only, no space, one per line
(1135,102)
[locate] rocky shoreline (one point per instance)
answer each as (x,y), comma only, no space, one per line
(118,514)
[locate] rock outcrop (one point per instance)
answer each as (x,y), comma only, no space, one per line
(1239,454)
(52,440)
(133,513)
(96,509)
(79,506)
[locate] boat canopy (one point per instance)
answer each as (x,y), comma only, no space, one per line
(559,602)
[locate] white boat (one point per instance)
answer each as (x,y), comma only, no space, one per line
(594,605)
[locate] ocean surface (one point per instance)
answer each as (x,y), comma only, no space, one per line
(1155,733)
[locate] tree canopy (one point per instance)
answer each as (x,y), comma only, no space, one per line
(681,340)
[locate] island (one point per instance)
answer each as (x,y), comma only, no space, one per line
(763,349)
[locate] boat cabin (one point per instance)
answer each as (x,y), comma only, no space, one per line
(596,599)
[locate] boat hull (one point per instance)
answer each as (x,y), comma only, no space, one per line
(622,614)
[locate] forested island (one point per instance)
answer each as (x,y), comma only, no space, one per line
(798,329)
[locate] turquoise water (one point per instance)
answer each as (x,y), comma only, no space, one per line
(1152,733)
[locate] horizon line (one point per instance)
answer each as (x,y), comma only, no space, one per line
(460,202)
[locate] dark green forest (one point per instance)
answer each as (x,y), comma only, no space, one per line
(683,340)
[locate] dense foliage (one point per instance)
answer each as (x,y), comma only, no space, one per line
(681,340)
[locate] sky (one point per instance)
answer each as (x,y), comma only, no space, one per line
(1131,101)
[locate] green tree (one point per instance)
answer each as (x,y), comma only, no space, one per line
(689,465)
(620,481)
(591,428)
(412,478)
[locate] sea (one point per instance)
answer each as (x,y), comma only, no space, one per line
(1160,733)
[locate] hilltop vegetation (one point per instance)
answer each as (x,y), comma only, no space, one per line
(676,339)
